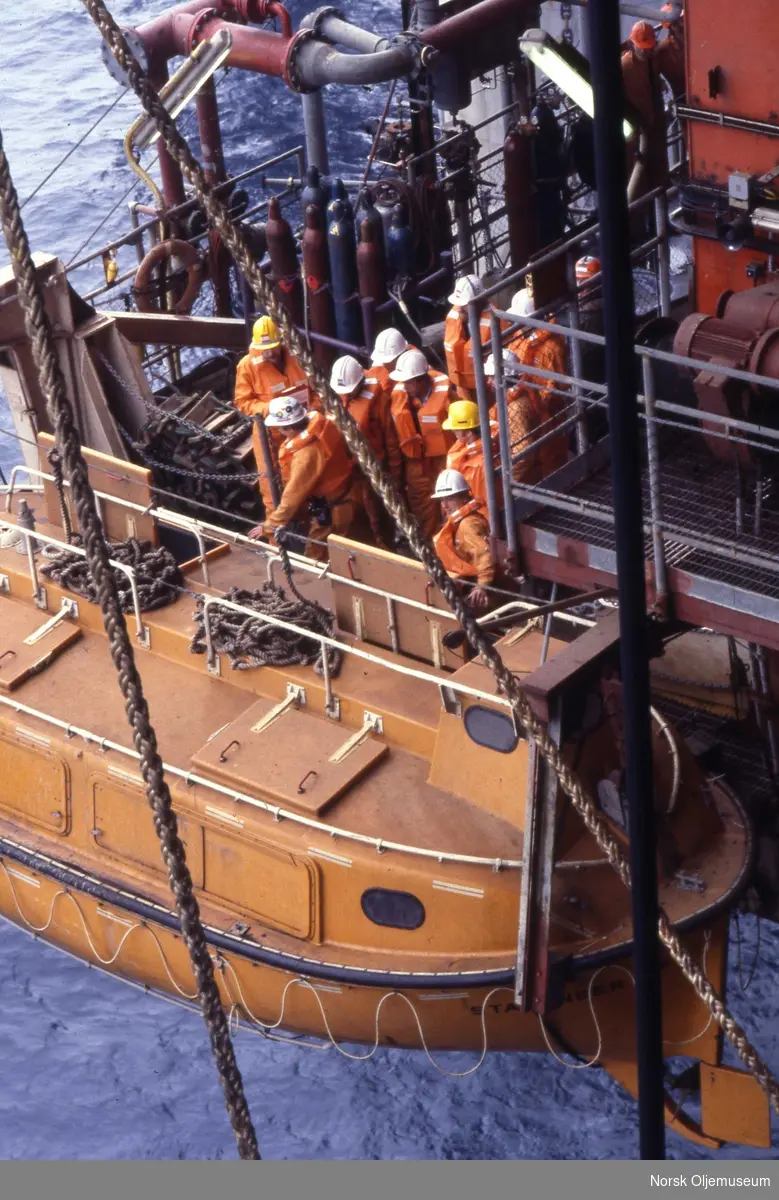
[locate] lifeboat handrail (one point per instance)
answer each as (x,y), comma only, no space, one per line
(36,536)
(205,529)
(189,778)
(210,602)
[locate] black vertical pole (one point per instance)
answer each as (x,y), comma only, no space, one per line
(621,378)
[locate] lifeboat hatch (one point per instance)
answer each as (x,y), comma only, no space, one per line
(288,757)
(30,640)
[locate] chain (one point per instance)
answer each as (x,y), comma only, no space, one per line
(566,12)
(54,388)
(385,487)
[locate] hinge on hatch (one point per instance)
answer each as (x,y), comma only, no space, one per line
(372,723)
(68,608)
(296,696)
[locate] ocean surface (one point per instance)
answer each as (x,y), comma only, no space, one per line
(93,1068)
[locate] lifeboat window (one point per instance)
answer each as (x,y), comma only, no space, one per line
(492,729)
(400,910)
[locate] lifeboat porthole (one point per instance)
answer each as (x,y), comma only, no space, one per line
(491,729)
(399,910)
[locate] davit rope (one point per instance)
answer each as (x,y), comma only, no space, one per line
(384,486)
(30,296)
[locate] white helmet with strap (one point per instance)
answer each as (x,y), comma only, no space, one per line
(522,303)
(450,483)
(346,375)
(289,409)
(412,364)
(466,289)
(389,344)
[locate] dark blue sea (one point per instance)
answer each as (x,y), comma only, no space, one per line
(95,1069)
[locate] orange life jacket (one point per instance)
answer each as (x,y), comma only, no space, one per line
(265,380)
(458,346)
(420,426)
(333,482)
(445,542)
(366,409)
(468,459)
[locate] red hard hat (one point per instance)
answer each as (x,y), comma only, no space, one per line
(587,267)
(643,36)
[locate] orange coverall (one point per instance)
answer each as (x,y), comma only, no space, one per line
(423,445)
(257,382)
(317,464)
(545,351)
(463,545)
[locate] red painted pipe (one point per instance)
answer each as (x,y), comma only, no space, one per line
(161,37)
(456,32)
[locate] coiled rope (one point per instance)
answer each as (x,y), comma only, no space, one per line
(68,442)
(382,483)
(157,576)
(249,642)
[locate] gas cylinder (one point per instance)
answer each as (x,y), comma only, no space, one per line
(313,192)
(343,274)
(519,192)
(371,273)
(338,192)
(284,261)
(321,314)
(369,212)
(400,246)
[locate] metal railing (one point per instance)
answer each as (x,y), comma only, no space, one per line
(190,779)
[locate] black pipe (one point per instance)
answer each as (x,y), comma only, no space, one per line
(621,378)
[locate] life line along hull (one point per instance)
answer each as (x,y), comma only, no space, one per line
(139,939)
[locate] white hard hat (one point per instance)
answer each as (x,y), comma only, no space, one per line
(389,344)
(450,483)
(522,303)
(511,364)
(346,375)
(467,288)
(286,410)
(411,365)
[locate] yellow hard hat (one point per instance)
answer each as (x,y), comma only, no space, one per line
(265,335)
(463,414)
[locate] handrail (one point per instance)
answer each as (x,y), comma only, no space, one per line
(210,602)
(35,536)
(278,814)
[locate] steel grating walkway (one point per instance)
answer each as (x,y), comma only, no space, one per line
(714,568)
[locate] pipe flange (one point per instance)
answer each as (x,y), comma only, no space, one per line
(291,72)
(136,46)
(201,19)
(424,55)
(313,21)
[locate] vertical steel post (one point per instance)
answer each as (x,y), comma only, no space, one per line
(483,402)
(575,350)
(655,503)
(315,130)
(663,254)
(504,442)
(619,321)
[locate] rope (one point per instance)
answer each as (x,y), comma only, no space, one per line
(55,462)
(74,148)
(382,483)
(157,575)
(249,642)
(68,443)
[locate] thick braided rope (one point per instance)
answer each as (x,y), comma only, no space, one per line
(69,446)
(384,486)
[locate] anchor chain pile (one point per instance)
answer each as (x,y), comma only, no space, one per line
(249,642)
(157,575)
(584,804)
